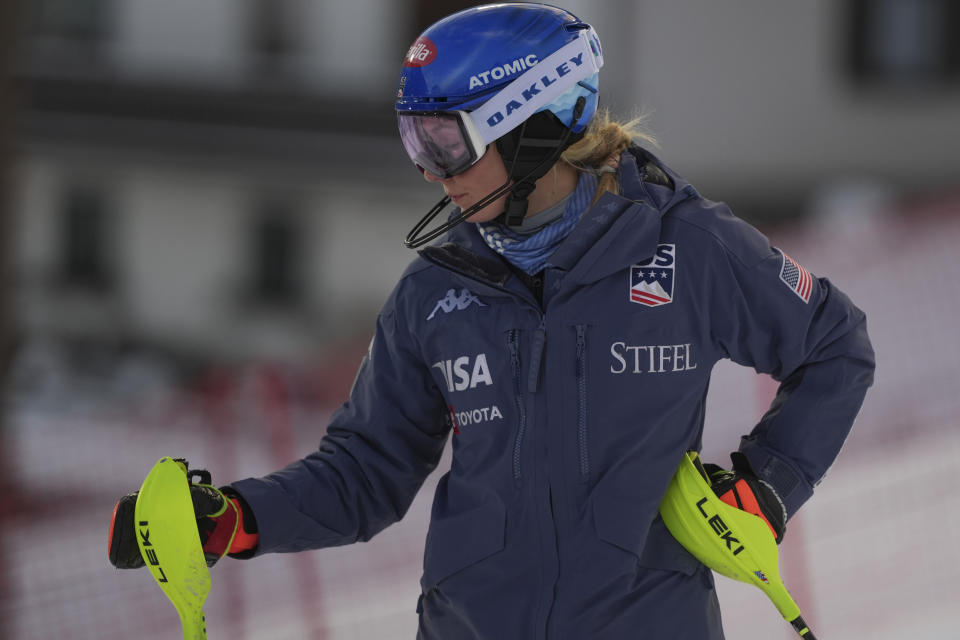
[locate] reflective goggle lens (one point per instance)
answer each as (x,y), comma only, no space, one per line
(437,142)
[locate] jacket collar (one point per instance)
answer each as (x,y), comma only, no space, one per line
(596,247)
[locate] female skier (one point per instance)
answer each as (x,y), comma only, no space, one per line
(561,332)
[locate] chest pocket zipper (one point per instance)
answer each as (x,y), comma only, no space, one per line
(582,402)
(513,338)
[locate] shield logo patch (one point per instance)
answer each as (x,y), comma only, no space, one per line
(651,281)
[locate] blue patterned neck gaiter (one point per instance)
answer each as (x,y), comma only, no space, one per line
(531,251)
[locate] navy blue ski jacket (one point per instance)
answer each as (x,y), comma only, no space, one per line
(568,416)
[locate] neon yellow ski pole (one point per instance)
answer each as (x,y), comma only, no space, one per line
(170,543)
(731,542)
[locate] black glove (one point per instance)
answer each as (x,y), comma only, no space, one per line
(224,521)
(742,489)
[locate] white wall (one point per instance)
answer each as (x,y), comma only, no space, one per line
(179,40)
(182,240)
(183,261)
(353,47)
(344,48)
(752,92)
(738,93)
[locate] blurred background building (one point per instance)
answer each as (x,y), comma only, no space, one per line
(207,202)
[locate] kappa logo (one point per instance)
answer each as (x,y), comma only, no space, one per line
(651,281)
(452,302)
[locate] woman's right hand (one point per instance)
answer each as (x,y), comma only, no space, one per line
(222,524)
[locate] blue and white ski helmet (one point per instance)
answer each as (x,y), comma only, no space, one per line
(474,60)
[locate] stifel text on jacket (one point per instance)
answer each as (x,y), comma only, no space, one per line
(657,358)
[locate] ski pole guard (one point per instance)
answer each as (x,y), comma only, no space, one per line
(169,542)
(729,541)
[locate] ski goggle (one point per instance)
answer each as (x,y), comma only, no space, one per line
(445,143)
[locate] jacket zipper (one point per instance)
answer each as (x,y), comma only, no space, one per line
(513,337)
(582,401)
(533,382)
(536,356)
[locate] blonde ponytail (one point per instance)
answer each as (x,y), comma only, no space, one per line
(599,150)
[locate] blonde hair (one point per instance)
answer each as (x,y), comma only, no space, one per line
(599,150)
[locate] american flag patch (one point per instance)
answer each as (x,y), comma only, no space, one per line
(796,277)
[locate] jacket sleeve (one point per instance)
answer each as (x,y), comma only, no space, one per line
(379,448)
(808,336)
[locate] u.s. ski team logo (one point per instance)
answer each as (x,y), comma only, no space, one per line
(651,281)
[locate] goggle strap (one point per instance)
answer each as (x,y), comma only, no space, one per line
(536,87)
(516,209)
